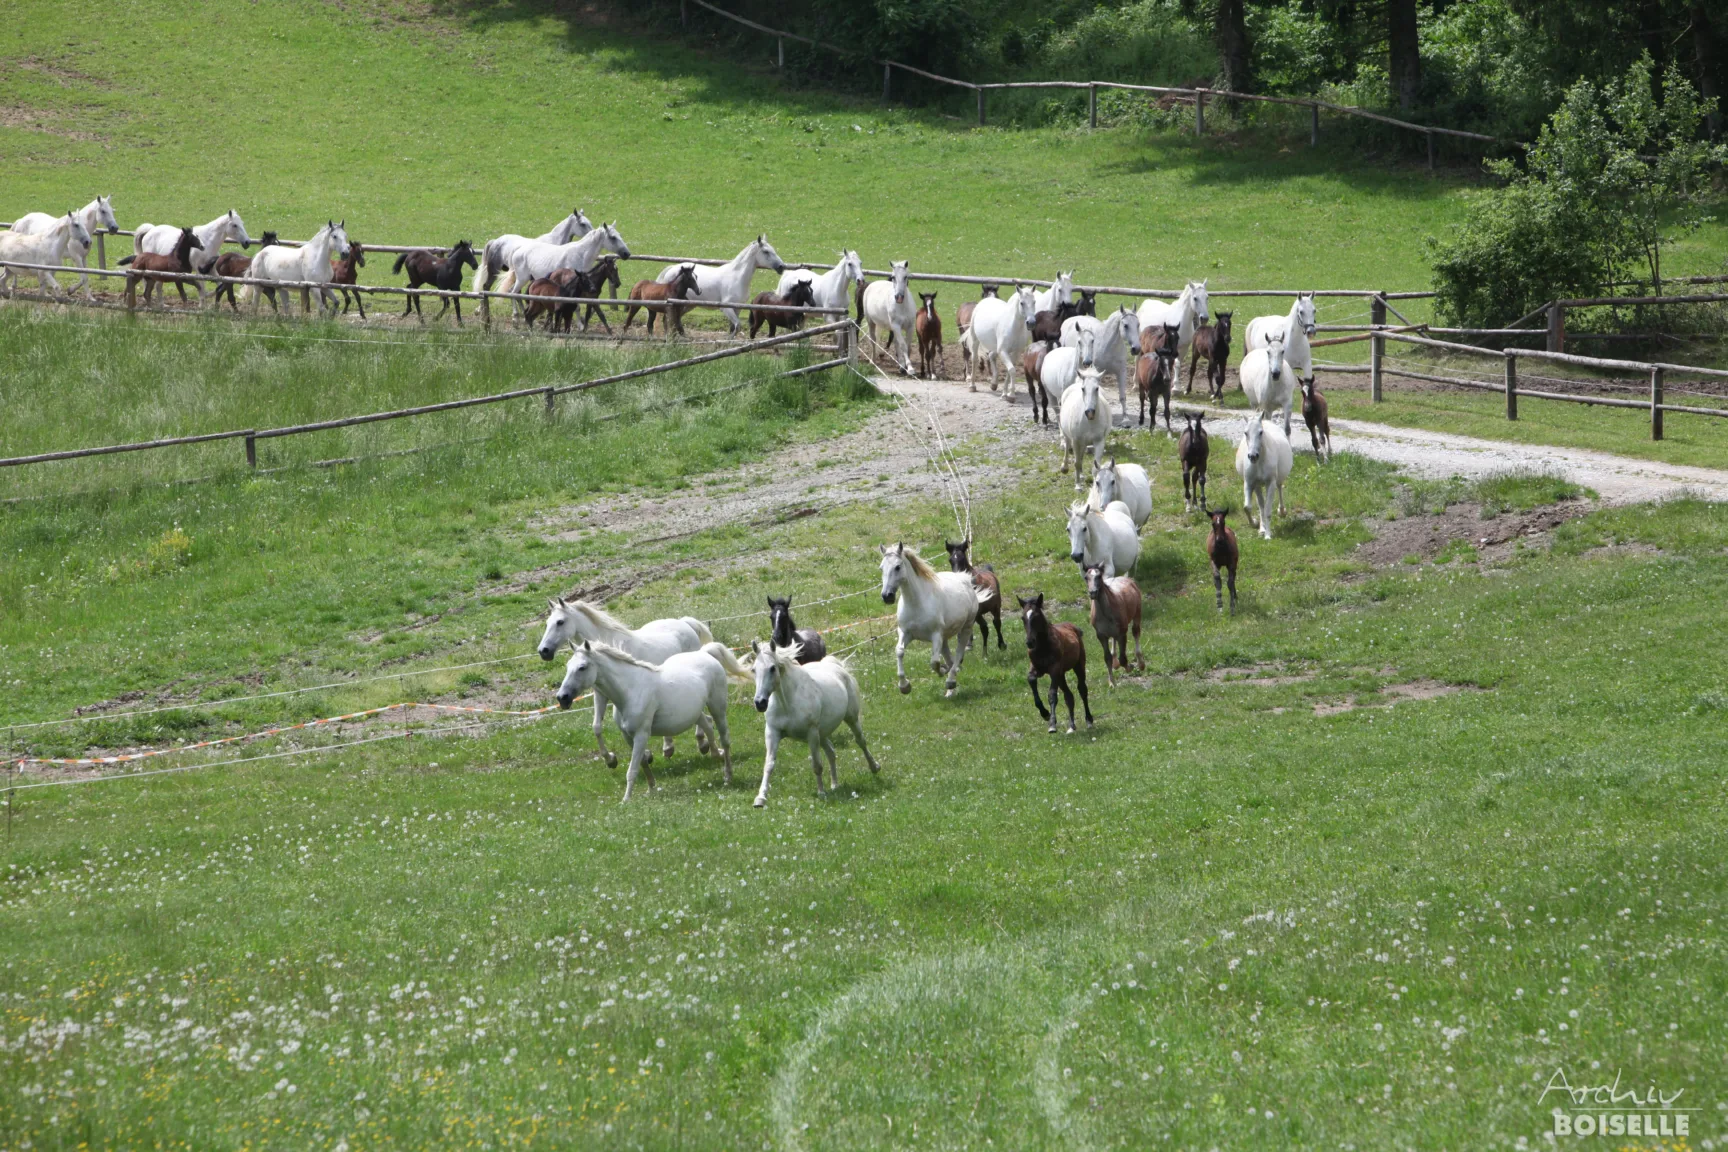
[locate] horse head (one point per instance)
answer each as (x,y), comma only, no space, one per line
(929,299)
(233,228)
(1086,343)
(853,265)
(1033,620)
(1129,326)
(1104,482)
(1027,301)
(614,241)
(1087,305)
(76,232)
(1305,313)
(338,238)
(1275,356)
(1062,288)
(893,570)
(1076,531)
(463,253)
(959,558)
(105,214)
(1202,310)
(901,270)
(560,627)
(767,669)
(579,673)
(766,257)
(1252,436)
(1095,586)
(1217,516)
(1089,385)
(1223,326)
(1169,345)
(685,282)
(802,294)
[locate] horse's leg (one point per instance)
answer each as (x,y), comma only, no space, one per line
(732,319)
(1232,591)
(1109,664)
(1192,365)
(1139,657)
(638,753)
(996,613)
(857,726)
(1085,700)
(939,656)
(600,728)
(359,305)
(705,736)
(771,738)
(900,664)
(1038,698)
(984,628)
(1059,682)
(833,765)
(1218,587)
(408,308)
(1064,466)
(951,682)
(813,737)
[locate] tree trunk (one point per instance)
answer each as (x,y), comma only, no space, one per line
(1404,55)
(1233,48)
(1704,53)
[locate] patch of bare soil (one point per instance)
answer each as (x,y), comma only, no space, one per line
(1494,537)
(1396,694)
(42,120)
(1267,675)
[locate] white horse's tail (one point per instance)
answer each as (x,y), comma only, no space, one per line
(734,670)
(984,595)
(699,628)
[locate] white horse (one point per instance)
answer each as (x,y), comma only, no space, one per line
(1187,312)
(1269,380)
(1125,482)
(1103,537)
(1084,423)
(654,642)
(1000,331)
(658,699)
(889,305)
(1296,327)
(68,234)
(1263,461)
(533,259)
(161,238)
(934,606)
(808,701)
(1061,367)
(96,216)
(731,280)
(1114,337)
(1060,292)
(309,262)
(495,257)
(833,288)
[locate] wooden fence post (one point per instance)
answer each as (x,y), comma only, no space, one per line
(849,337)
(1556,327)
(101,252)
(1655,403)
(980,107)
(1377,345)
(887,71)
(1313,125)
(1430,136)
(1092,105)
(251,451)
(1511,386)
(1200,112)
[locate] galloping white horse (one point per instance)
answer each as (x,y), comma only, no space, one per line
(832,289)
(1060,292)
(654,642)
(1106,538)
(309,262)
(934,606)
(658,699)
(1115,337)
(532,259)
(68,234)
(1263,460)
(731,280)
(495,257)
(806,701)
(888,304)
(1061,367)
(1269,380)
(96,216)
(1000,331)
(161,238)
(1187,312)
(1296,327)
(1084,422)
(1128,483)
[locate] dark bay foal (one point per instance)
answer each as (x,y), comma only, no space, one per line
(651,295)
(963,321)
(985,580)
(1314,415)
(443,273)
(1054,650)
(1156,371)
(1047,325)
(346,271)
(811,646)
(548,292)
(772,309)
(236,265)
(1213,342)
(928,327)
(1221,549)
(147,262)
(1192,448)
(1116,604)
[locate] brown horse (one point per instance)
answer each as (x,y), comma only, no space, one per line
(928,326)
(1054,650)
(1213,342)
(346,270)
(963,321)
(1032,363)
(1156,371)
(1047,325)
(147,262)
(235,265)
(811,646)
(651,295)
(773,309)
(1222,550)
(1192,448)
(604,274)
(985,580)
(1116,606)
(1314,415)
(443,273)
(549,291)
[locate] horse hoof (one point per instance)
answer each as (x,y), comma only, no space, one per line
(1071,729)
(905,687)
(1051,730)
(761,801)
(949,693)
(611,760)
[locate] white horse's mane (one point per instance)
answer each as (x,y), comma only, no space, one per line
(599,616)
(920,567)
(601,648)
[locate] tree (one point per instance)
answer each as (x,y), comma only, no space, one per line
(1234,51)
(1403,52)
(1615,173)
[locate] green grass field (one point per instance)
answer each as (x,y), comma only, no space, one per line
(1358,867)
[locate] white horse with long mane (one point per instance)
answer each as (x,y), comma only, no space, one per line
(1269,380)
(661,699)
(729,281)
(933,606)
(161,238)
(1061,367)
(1084,423)
(1186,313)
(1114,337)
(833,288)
(806,701)
(1060,292)
(308,263)
(532,259)
(51,247)
(1127,483)
(999,332)
(1105,537)
(570,621)
(96,216)
(1263,460)
(495,257)
(888,304)
(1296,327)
